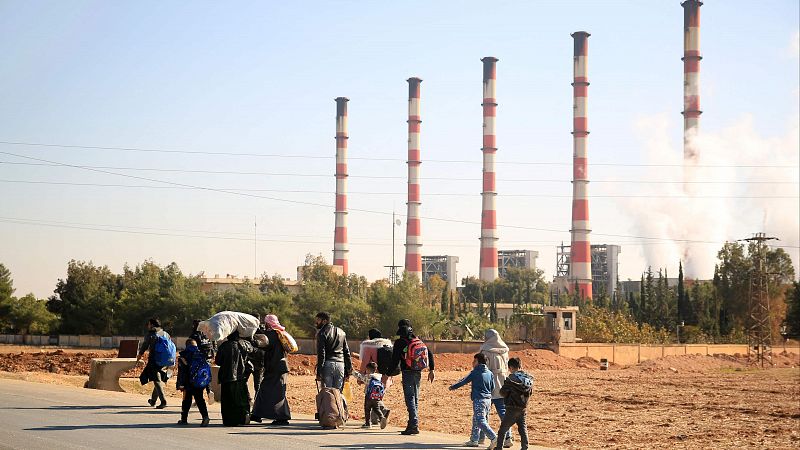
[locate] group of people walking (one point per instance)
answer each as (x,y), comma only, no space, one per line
(495,379)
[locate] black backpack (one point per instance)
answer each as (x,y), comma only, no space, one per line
(384,357)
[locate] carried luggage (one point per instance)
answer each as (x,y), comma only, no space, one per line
(163,350)
(222,324)
(330,407)
(417,354)
(384,361)
(287,341)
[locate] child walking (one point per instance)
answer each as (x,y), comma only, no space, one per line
(373,395)
(193,360)
(481,395)
(517,391)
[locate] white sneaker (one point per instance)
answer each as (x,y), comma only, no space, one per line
(492,444)
(471,443)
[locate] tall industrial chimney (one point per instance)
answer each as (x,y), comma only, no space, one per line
(580,262)
(340,234)
(488,267)
(413,236)
(691,78)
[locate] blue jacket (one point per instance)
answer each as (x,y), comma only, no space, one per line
(482,383)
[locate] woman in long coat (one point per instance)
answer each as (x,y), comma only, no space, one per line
(234,370)
(271,399)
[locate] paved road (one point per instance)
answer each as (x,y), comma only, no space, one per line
(37,415)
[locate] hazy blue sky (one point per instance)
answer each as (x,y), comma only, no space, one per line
(260,77)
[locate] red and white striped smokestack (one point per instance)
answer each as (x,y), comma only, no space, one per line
(488,267)
(691,78)
(580,262)
(413,235)
(340,234)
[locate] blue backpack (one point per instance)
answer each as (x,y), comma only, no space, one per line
(164,351)
(375,389)
(199,371)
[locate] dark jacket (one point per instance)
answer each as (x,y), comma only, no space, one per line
(482,383)
(203,343)
(149,341)
(517,390)
(400,350)
(257,357)
(232,361)
(332,346)
(274,355)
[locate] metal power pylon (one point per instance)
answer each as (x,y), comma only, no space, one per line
(760,327)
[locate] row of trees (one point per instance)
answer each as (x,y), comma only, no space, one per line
(94,300)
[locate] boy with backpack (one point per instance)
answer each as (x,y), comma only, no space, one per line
(160,357)
(517,391)
(194,376)
(412,356)
(481,395)
(373,395)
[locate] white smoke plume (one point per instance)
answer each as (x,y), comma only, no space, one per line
(690,215)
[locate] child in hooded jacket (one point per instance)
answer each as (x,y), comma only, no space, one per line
(481,395)
(517,391)
(184,383)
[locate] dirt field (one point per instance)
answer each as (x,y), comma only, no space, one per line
(684,401)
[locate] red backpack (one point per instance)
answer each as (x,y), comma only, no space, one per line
(417,355)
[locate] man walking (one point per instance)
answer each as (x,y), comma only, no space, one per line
(411,371)
(152,371)
(333,355)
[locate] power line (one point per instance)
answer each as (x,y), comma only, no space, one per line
(387,177)
(365,158)
(327,206)
(208,234)
(435,194)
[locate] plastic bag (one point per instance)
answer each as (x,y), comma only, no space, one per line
(347,392)
(287,341)
(222,324)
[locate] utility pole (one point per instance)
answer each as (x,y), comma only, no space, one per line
(393,276)
(759,334)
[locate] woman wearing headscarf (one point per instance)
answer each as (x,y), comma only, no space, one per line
(234,370)
(271,398)
(496,353)
(368,352)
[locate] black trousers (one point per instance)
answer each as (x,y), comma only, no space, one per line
(513,416)
(188,394)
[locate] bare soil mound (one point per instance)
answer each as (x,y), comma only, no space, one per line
(688,363)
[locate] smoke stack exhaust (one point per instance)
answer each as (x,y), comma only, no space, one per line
(691,78)
(580,262)
(413,235)
(488,265)
(340,233)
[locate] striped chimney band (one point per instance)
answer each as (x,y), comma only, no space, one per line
(691,77)
(340,233)
(413,234)
(488,260)
(580,268)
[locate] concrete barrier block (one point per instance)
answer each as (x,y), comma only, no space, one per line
(86,340)
(19,339)
(106,342)
(73,341)
(105,373)
(3,339)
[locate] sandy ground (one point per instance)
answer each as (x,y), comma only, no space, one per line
(683,402)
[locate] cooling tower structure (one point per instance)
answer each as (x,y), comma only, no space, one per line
(413,236)
(691,86)
(488,264)
(340,233)
(580,265)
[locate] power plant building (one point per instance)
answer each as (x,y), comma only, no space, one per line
(523,259)
(605,269)
(442,265)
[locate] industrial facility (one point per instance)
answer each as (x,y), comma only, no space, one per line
(581,268)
